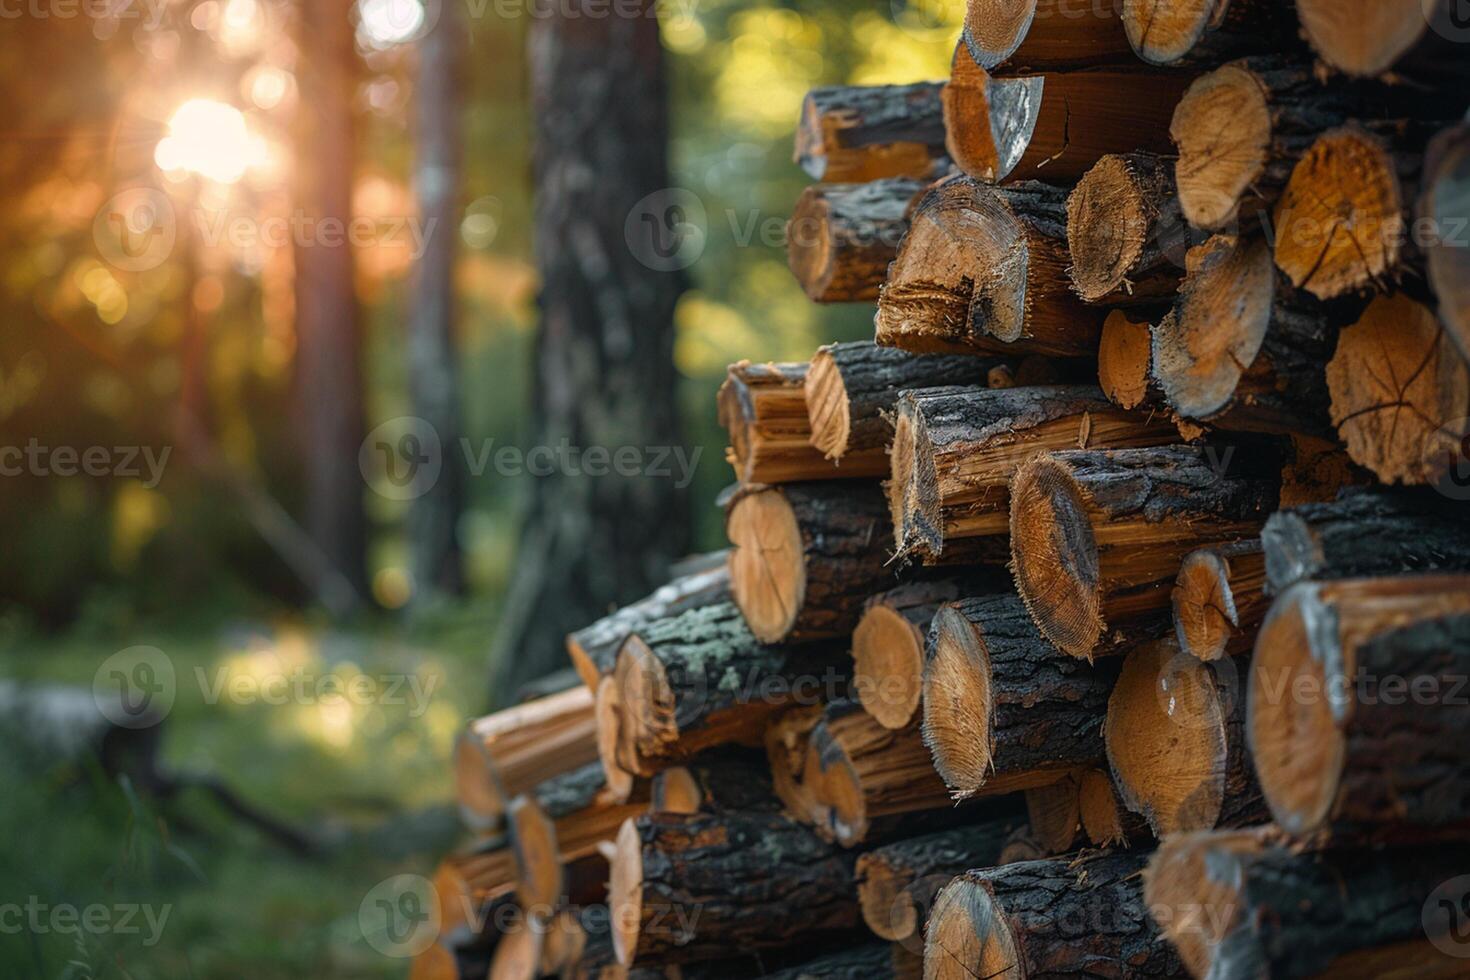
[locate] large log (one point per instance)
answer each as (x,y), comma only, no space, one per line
(696,887)
(1418,38)
(806,556)
(1444,191)
(1401,395)
(983,269)
(855,133)
(1176,741)
(1097,537)
(1003,708)
(1045,35)
(1047,920)
(1358,708)
(897,882)
(594,649)
(851,390)
(1125,231)
(955,451)
(841,237)
(1242,904)
(1219,599)
(1206,32)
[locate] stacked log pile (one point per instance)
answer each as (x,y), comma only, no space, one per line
(1107,613)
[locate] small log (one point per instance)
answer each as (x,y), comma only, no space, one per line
(1097,537)
(1422,40)
(1239,904)
(1220,599)
(594,649)
(715,782)
(955,451)
(1104,818)
(851,390)
(696,887)
(1365,533)
(1045,35)
(806,557)
(1241,349)
(1055,126)
(1125,363)
(1318,470)
(1021,846)
(897,882)
(1358,719)
(1003,708)
(699,680)
(983,270)
(841,237)
(1176,742)
(518,954)
(1206,32)
(1054,814)
(876,961)
(1047,919)
(500,756)
(1401,395)
(1445,189)
(856,133)
(1125,232)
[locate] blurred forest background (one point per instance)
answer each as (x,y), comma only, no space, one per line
(205,109)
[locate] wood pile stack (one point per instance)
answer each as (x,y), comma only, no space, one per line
(1101,616)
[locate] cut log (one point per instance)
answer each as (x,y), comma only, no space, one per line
(983,270)
(1443,207)
(787,737)
(1003,708)
(955,451)
(1055,126)
(1239,904)
(715,782)
(699,680)
(1021,846)
(1364,533)
(897,882)
(855,133)
(1419,38)
(518,954)
(1401,396)
(841,237)
(1358,708)
(1054,813)
(692,887)
(1206,32)
(1219,599)
(1241,349)
(469,888)
(852,388)
(1125,362)
(1046,920)
(885,961)
(1126,233)
(1097,537)
(503,755)
(1176,742)
(594,650)
(807,556)
(1045,35)
(1318,470)
(1104,818)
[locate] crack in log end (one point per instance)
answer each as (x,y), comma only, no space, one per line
(767,571)
(1223,129)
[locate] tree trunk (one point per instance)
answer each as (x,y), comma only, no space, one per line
(604,364)
(854,133)
(841,237)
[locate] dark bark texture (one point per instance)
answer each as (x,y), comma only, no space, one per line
(851,133)
(909,873)
(879,961)
(1232,29)
(841,237)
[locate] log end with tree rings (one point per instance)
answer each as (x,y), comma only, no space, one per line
(675,790)
(1217,598)
(1223,130)
(767,564)
(540,876)
(969,936)
(518,954)
(989,122)
(838,803)
(1445,204)
(827,405)
(888,665)
(625,891)
(1165,33)
(810,251)
(1363,39)
(957,705)
(1112,223)
(1123,360)
(481,801)
(1104,819)
(1197,905)
(610,748)
(1341,223)
(994,29)
(1054,556)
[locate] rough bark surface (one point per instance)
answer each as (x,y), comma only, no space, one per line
(855,133)
(1205,32)
(762,408)
(842,237)
(880,961)
(723,780)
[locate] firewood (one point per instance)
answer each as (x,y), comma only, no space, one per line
(855,133)
(1047,919)
(983,269)
(1318,470)
(1097,537)
(594,649)
(1446,186)
(1401,393)
(1242,904)
(699,680)
(439,962)
(956,449)
(1021,846)
(1045,35)
(1241,349)
(1104,818)
(851,389)
(692,887)
(786,740)
(1125,363)
(1125,232)
(806,557)
(1003,708)
(841,237)
(877,961)
(1205,32)
(518,955)
(897,882)
(1421,39)
(1053,126)
(1365,533)
(715,782)
(1176,742)
(470,887)
(503,755)
(1220,598)
(1054,813)
(1358,716)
